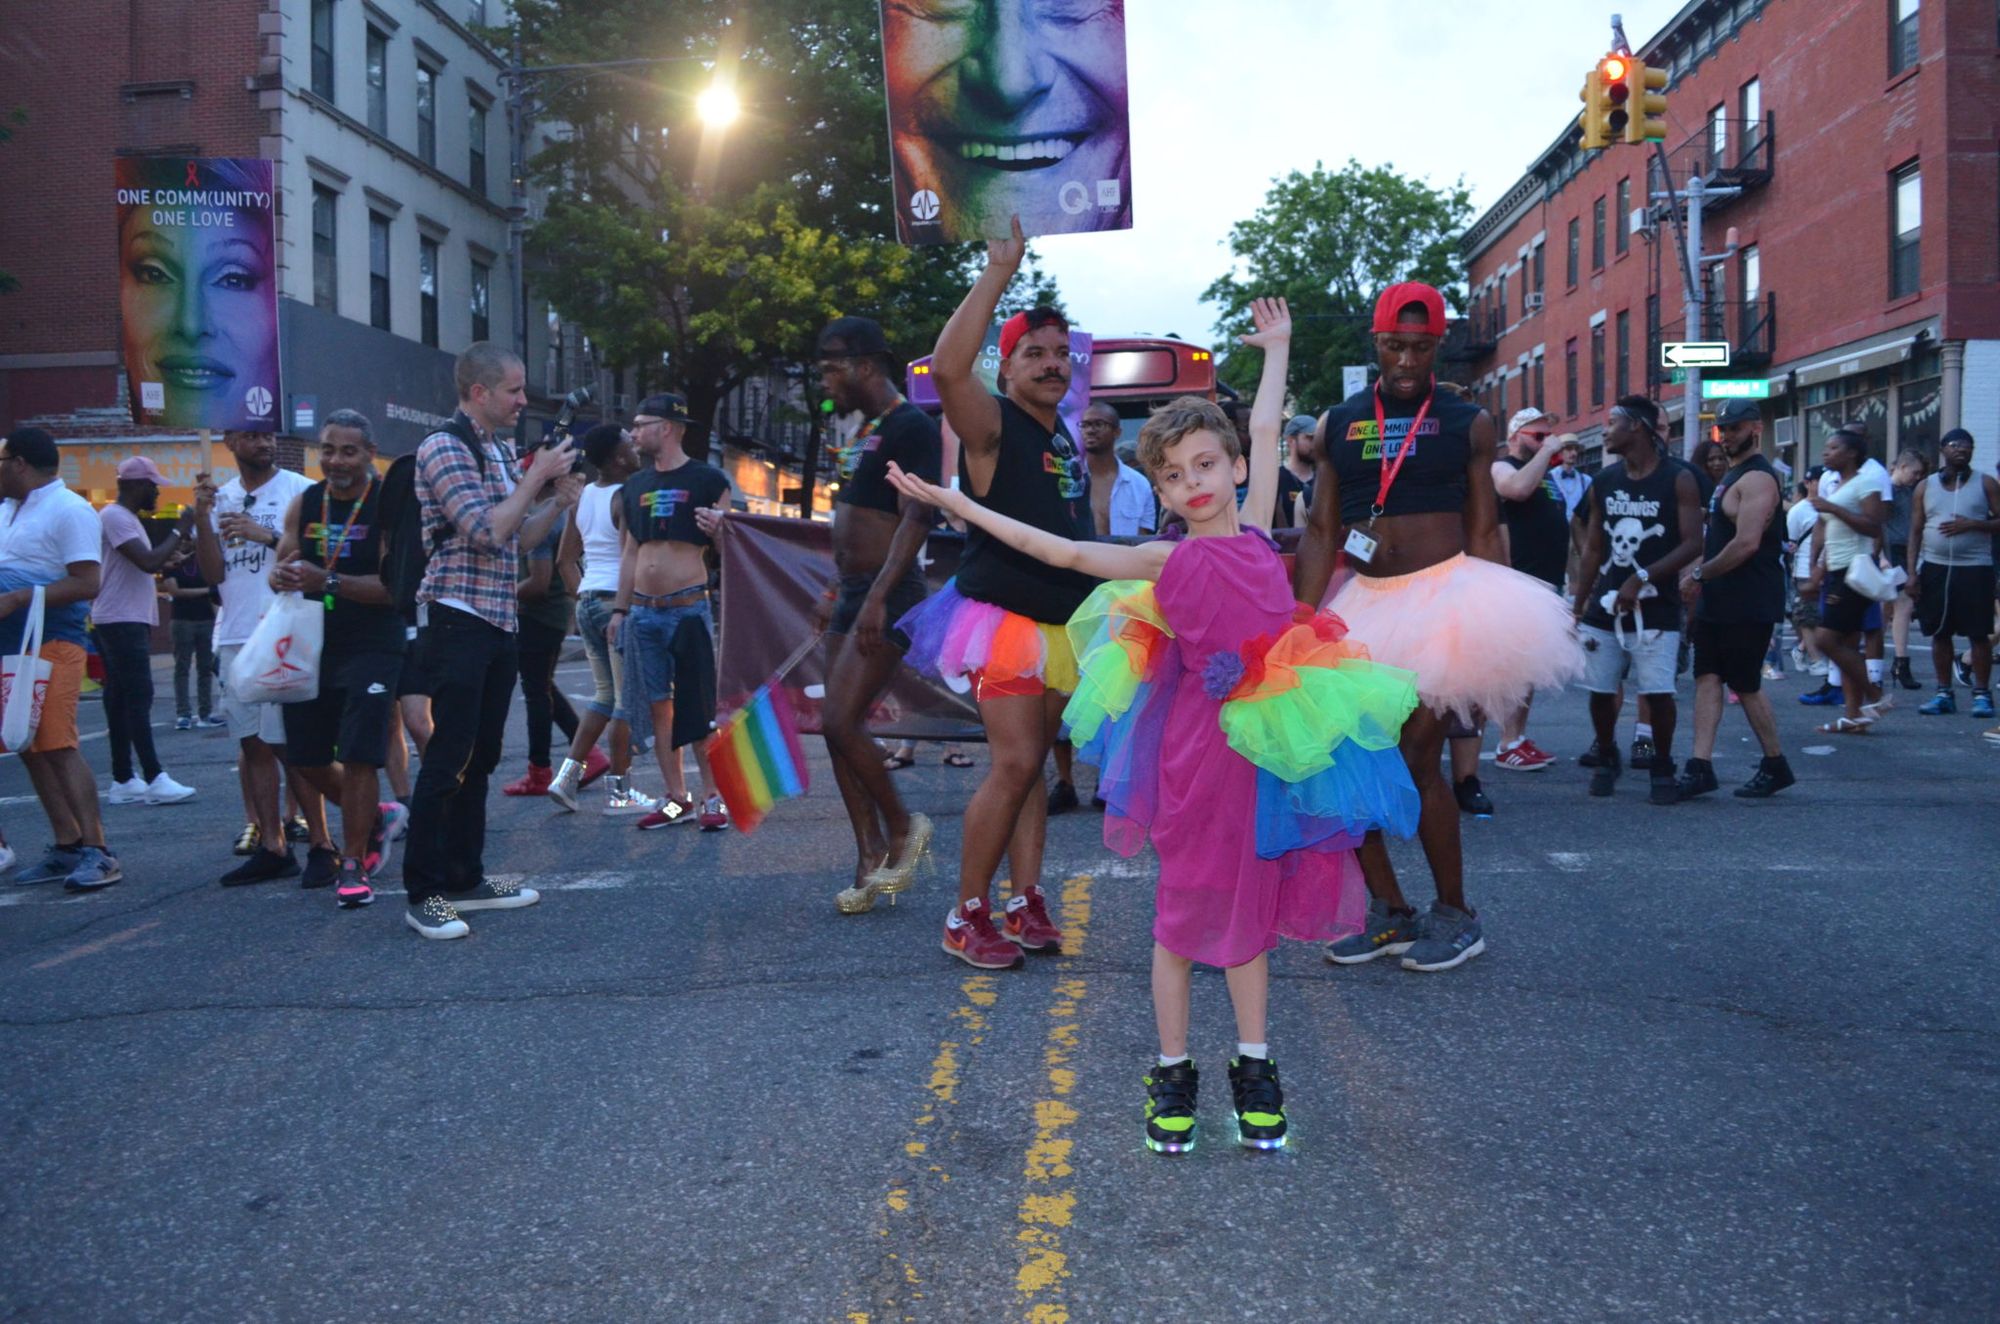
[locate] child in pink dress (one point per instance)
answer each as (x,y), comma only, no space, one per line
(1236,728)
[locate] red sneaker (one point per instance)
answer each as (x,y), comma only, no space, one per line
(670,813)
(595,765)
(1524,757)
(713,815)
(536,782)
(1028,923)
(969,935)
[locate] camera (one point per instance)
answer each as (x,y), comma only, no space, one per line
(559,432)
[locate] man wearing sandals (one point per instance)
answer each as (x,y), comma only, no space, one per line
(877,536)
(1851,517)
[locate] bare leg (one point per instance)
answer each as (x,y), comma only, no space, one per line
(1173,994)
(1465,756)
(257,769)
(312,806)
(46,773)
(1437,822)
(1899,625)
(352,786)
(590,725)
(1941,660)
(1604,721)
(1982,663)
(852,684)
(1017,737)
(77,790)
(1855,690)
(1515,726)
(398,766)
(1708,714)
(1763,722)
(1065,762)
(1250,996)
(1031,828)
(1666,715)
(416,710)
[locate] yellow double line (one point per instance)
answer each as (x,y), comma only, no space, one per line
(1049,1205)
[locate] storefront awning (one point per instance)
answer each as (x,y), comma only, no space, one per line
(1882,351)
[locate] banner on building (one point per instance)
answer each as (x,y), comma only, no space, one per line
(970,146)
(773,573)
(198,292)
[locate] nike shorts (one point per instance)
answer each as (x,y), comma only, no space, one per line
(349,720)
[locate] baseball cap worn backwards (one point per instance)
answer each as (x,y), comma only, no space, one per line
(140,467)
(668,405)
(1405,294)
(1737,411)
(1525,418)
(1020,324)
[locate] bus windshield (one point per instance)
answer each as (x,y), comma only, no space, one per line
(1133,374)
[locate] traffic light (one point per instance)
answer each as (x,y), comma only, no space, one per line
(1612,74)
(1645,103)
(1595,121)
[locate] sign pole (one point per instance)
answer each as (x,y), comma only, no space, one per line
(1691,406)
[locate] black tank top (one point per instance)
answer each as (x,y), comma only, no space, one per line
(1432,479)
(1537,528)
(1754,592)
(1039,478)
(351,627)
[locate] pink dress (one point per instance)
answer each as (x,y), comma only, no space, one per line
(1248,742)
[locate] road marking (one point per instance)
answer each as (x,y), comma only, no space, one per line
(92,948)
(1569,861)
(1049,1205)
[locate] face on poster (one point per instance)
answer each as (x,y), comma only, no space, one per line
(1000,108)
(198,292)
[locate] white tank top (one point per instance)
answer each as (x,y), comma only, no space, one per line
(601,539)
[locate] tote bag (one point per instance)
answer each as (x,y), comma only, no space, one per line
(24,682)
(279,663)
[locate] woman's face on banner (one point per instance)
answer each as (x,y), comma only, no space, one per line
(1006,107)
(200,315)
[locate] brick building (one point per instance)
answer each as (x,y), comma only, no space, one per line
(386,121)
(1864,137)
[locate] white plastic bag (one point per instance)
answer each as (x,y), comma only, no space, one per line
(21,704)
(280,661)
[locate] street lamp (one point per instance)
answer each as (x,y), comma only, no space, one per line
(718,106)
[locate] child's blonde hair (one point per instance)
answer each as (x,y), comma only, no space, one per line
(1178,419)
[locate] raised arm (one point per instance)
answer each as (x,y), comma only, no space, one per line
(1482,506)
(1512,484)
(1312,567)
(1273,320)
(973,412)
(1101,559)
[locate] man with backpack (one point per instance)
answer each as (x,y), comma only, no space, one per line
(457,515)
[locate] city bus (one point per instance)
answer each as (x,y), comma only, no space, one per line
(1133,374)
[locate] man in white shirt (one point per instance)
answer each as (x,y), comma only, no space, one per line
(51,539)
(1873,476)
(235,548)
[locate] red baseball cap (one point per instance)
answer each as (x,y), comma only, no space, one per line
(1401,296)
(1020,324)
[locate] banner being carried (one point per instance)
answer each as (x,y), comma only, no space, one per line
(1002,108)
(198,291)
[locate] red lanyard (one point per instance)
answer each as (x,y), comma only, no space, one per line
(1389,471)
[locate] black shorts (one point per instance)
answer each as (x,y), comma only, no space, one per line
(1955,601)
(903,597)
(1841,609)
(350,718)
(1734,652)
(412,679)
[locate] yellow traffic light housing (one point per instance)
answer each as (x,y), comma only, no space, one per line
(1594,124)
(1645,104)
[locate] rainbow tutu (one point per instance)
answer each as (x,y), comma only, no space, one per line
(958,638)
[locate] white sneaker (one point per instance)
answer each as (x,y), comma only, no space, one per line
(623,798)
(127,793)
(164,790)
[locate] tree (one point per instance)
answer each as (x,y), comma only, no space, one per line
(701,259)
(1329,243)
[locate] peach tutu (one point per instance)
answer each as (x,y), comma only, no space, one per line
(1479,636)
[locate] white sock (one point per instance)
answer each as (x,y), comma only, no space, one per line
(1874,671)
(1642,731)
(1262,1052)
(1166,1061)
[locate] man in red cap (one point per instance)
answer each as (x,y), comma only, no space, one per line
(997,628)
(1404,501)
(123,617)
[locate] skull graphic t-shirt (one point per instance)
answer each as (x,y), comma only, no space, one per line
(1640,518)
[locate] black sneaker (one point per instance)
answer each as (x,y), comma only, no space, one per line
(322,867)
(1062,798)
(1643,753)
(1170,1098)
(1472,799)
(1698,778)
(1665,790)
(1606,775)
(296,830)
(433,917)
(262,867)
(1773,775)
(1591,757)
(1260,1103)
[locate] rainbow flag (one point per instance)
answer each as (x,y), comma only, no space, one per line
(756,758)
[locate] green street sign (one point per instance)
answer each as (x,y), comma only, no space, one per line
(1711,389)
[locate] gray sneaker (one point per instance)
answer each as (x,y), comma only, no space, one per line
(490,895)
(95,868)
(55,866)
(433,917)
(1450,938)
(1387,934)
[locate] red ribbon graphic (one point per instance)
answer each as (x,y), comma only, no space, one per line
(193,180)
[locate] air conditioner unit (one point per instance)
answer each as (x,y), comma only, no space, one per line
(1784,433)
(1532,302)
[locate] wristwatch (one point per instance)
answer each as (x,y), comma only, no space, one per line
(1644,577)
(1697,573)
(333,584)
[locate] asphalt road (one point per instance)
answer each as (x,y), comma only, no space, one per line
(1721,1061)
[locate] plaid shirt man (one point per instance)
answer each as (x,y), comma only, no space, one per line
(471,571)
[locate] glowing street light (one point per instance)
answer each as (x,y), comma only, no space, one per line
(718,106)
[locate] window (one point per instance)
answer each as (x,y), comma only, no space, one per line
(1718,138)
(427,290)
(1902,35)
(482,280)
(1622,219)
(475,12)
(427,129)
(1569,378)
(378,82)
(1575,229)
(1540,267)
(1716,304)
(1623,373)
(1500,300)
(1540,401)
(378,271)
(1597,365)
(1753,275)
(1750,109)
(322,49)
(1905,263)
(475,174)
(325,284)
(1652,339)
(1501,412)
(1597,235)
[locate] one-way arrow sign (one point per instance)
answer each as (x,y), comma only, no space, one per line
(1694,354)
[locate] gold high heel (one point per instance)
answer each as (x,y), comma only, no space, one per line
(891,879)
(860,900)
